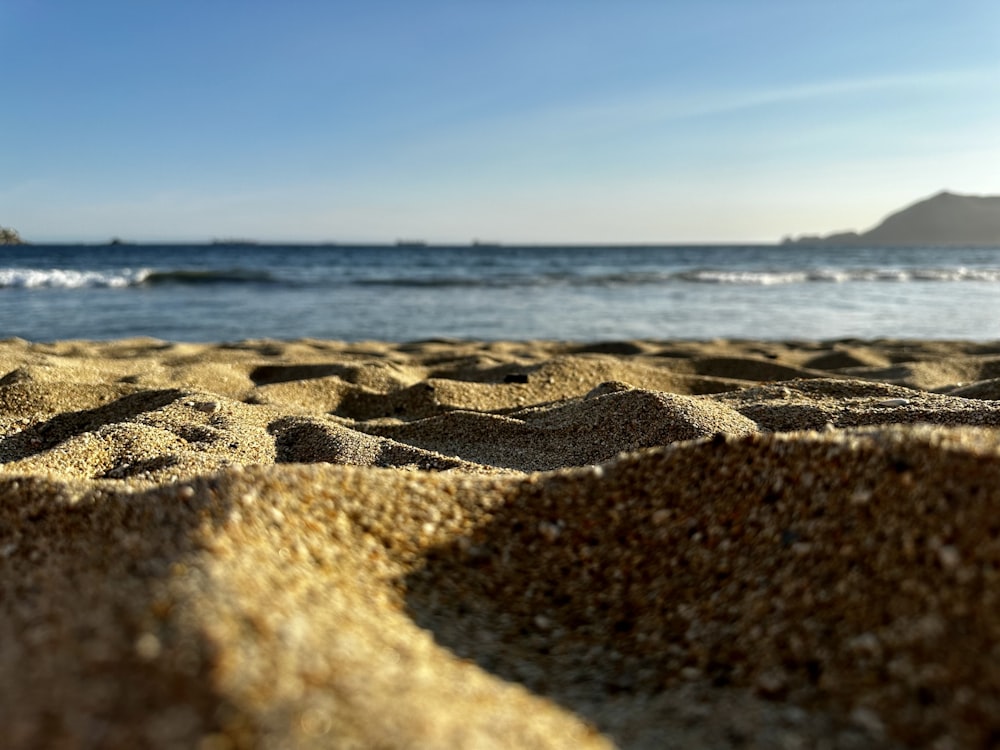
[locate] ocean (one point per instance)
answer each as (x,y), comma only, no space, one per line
(232,292)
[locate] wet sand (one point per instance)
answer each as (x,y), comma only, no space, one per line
(511,544)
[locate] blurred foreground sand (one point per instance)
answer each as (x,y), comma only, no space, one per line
(464,544)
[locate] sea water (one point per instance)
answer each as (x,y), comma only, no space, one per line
(232,292)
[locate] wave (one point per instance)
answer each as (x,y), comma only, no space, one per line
(742,277)
(838,275)
(223,276)
(68,278)
(520,280)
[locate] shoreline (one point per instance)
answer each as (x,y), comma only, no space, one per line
(539,544)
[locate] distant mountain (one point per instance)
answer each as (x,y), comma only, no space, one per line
(942,219)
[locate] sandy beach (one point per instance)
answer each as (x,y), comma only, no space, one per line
(448,544)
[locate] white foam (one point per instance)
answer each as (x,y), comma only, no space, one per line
(840,276)
(64,278)
(755,278)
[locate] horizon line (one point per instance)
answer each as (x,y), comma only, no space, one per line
(401,243)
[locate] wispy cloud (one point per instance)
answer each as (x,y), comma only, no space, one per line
(663,104)
(591,127)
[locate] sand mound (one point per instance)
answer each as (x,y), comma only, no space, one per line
(571,433)
(508,544)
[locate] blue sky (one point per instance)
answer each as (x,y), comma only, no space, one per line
(505,120)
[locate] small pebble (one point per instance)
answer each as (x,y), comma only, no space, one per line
(660,517)
(865,718)
(209,407)
(549,530)
(148,647)
(949,557)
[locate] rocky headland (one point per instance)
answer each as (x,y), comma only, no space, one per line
(943,219)
(10,237)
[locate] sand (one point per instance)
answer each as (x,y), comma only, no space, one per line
(451,544)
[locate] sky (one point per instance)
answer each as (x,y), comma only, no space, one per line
(517,121)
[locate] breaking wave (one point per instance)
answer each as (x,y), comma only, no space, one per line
(839,275)
(66,278)
(698,276)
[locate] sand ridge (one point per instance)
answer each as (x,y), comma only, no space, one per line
(499,544)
